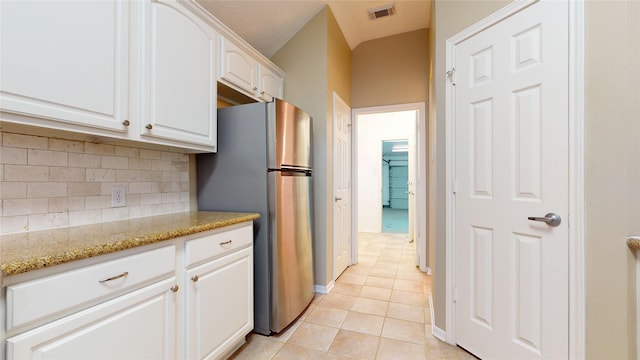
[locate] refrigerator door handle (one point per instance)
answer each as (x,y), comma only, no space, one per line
(306,172)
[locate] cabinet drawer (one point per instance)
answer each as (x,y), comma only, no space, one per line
(138,325)
(217,244)
(76,289)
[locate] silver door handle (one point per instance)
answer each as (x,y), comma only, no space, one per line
(338,198)
(550,219)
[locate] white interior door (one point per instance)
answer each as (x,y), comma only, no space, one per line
(511,163)
(341,185)
(411,189)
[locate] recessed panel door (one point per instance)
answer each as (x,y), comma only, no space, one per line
(511,163)
(341,185)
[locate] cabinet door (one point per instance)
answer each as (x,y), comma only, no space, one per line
(65,61)
(141,324)
(238,67)
(270,84)
(179,86)
(219,304)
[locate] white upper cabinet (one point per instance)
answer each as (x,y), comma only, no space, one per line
(271,84)
(178,77)
(245,71)
(144,70)
(238,67)
(65,62)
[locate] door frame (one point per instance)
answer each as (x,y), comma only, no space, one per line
(576,216)
(420,186)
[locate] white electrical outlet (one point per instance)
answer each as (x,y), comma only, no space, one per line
(117,196)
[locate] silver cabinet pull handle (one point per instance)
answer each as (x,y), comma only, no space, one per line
(225,243)
(115,277)
(550,219)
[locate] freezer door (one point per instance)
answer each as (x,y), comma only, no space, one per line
(292,136)
(292,259)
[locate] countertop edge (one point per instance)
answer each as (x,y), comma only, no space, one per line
(633,242)
(40,262)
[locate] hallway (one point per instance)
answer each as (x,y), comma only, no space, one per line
(378,309)
(395,220)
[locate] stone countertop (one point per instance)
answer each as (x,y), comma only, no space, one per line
(633,242)
(24,252)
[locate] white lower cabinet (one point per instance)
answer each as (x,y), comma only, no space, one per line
(192,298)
(219,305)
(141,324)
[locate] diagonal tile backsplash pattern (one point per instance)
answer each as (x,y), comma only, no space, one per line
(48,182)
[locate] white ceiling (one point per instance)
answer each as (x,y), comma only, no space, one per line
(268,24)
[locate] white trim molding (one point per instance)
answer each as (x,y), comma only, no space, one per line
(577,214)
(632,241)
(577,220)
(435,331)
(324,289)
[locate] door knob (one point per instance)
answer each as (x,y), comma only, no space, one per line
(550,219)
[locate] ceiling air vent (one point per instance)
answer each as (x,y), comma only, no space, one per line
(382,11)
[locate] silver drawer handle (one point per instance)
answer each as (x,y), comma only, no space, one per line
(115,277)
(225,243)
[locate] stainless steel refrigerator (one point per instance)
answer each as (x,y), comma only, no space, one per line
(263,165)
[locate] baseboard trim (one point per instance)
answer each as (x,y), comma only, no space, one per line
(324,289)
(436,331)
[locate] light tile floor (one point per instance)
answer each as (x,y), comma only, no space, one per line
(378,309)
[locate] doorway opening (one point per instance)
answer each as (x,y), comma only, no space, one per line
(395,186)
(389,177)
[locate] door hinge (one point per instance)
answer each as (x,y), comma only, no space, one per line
(454,294)
(454,186)
(451,75)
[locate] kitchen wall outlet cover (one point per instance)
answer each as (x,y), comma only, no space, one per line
(118,196)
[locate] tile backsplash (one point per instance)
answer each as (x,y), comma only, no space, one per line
(49,183)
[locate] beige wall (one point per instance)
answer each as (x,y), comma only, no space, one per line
(317,62)
(612,160)
(391,70)
(339,64)
(223,104)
